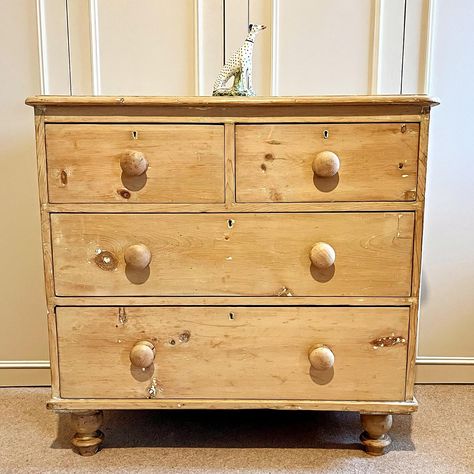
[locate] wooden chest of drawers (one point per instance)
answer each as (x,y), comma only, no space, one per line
(232,253)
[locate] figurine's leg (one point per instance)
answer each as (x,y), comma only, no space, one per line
(249,81)
(237,86)
(375,438)
(220,84)
(88,438)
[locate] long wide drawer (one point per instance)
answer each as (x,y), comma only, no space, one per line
(326,162)
(233,255)
(233,352)
(135,163)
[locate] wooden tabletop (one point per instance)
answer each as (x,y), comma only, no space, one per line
(422,100)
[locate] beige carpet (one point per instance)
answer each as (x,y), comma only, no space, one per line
(437,439)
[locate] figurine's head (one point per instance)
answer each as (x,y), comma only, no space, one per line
(256,28)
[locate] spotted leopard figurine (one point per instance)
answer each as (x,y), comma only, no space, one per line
(239,66)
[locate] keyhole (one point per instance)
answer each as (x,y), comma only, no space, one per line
(231,316)
(326,134)
(134,134)
(230,223)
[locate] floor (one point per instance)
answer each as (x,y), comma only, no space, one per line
(437,439)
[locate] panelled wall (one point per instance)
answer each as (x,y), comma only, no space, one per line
(311,47)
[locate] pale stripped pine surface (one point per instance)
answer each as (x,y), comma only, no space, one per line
(240,255)
(378,162)
(229,352)
(186,163)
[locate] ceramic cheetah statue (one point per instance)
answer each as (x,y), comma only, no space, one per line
(239,66)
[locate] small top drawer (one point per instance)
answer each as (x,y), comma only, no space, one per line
(101,163)
(326,162)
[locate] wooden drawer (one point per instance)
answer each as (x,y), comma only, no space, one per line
(185,163)
(377,162)
(242,352)
(233,254)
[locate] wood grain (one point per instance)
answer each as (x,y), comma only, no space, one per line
(237,207)
(47,249)
(185,163)
(283,300)
(234,112)
(375,438)
(213,256)
(362,406)
(378,162)
(417,253)
(240,352)
(70,115)
(229,164)
(88,438)
(230,101)
(234,255)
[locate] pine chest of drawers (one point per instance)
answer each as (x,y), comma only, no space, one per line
(232,253)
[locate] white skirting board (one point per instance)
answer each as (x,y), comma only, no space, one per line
(444,370)
(429,370)
(24,373)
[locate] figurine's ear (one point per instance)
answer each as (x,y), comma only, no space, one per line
(250,27)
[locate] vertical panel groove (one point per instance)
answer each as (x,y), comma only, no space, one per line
(275,45)
(377,33)
(42,53)
(429,45)
(403,44)
(197,47)
(223,31)
(95,53)
(68,36)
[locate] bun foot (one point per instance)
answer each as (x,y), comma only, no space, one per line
(88,439)
(375,438)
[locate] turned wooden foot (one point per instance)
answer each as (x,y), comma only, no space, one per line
(375,438)
(88,438)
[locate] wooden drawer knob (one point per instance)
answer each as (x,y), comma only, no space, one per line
(326,164)
(142,354)
(137,256)
(322,255)
(133,163)
(321,357)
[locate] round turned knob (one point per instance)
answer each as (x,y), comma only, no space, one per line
(321,357)
(142,354)
(322,255)
(137,256)
(133,163)
(326,164)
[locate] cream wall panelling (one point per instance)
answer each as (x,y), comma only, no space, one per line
(308,50)
(336,46)
(73,37)
(137,47)
(23,334)
(53,46)
(447,303)
(419,31)
(142,47)
(313,49)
